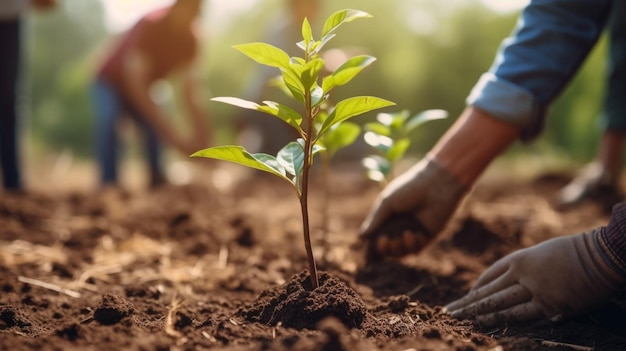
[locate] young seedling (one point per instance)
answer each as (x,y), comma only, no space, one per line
(389,136)
(301,76)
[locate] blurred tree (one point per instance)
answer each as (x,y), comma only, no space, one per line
(61,50)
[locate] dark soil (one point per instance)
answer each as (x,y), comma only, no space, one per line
(199,268)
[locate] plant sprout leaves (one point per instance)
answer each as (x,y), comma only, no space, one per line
(341,135)
(237,154)
(378,128)
(310,72)
(398,149)
(293,83)
(317,148)
(351,107)
(379,142)
(320,44)
(347,71)
(283,112)
(250,105)
(377,167)
(265,54)
(425,116)
(307,33)
(291,157)
(340,17)
(317,96)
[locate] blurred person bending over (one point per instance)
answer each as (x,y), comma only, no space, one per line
(11,23)
(551,40)
(161,43)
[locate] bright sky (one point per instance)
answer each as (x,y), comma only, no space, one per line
(123,13)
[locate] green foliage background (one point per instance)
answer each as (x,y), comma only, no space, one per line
(430,54)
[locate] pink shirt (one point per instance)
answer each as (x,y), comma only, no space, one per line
(166,47)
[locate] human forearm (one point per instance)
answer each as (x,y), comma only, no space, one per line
(472,143)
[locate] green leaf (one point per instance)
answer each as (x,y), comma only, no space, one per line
(285,113)
(351,107)
(377,128)
(322,43)
(310,72)
(398,149)
(377,167)
(307,33)
(398,119)
(293,83)
(347,71)
(340,17)
(275,109)
(340,136)
(379,142)
(237,102)
(291,157)
(237,154)
(265,54)
(317,148)
(317,96)
(425,116)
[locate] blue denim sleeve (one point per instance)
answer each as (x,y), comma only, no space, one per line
(551,40)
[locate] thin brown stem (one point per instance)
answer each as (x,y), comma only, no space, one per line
(304,203)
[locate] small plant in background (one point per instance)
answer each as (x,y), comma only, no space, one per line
(301,77)
(338,137)
(389,137)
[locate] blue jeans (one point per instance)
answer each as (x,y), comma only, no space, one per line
(10,49)
(109,107)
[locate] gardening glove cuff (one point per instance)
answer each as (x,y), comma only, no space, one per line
(601,280)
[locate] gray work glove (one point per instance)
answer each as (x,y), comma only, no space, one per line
(593,183)
(420,202)
(559,278)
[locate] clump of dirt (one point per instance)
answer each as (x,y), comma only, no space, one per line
(11,317)
(399,226)
(295,304)
(112,309)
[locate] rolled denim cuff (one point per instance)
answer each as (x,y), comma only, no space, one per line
(508,102)
(611,240)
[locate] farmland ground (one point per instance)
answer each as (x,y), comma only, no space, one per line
(198,268)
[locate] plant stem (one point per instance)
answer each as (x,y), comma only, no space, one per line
(304,198)
(305,224)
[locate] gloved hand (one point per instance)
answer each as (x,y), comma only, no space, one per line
(559,278)
(595,183)
(426,193)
